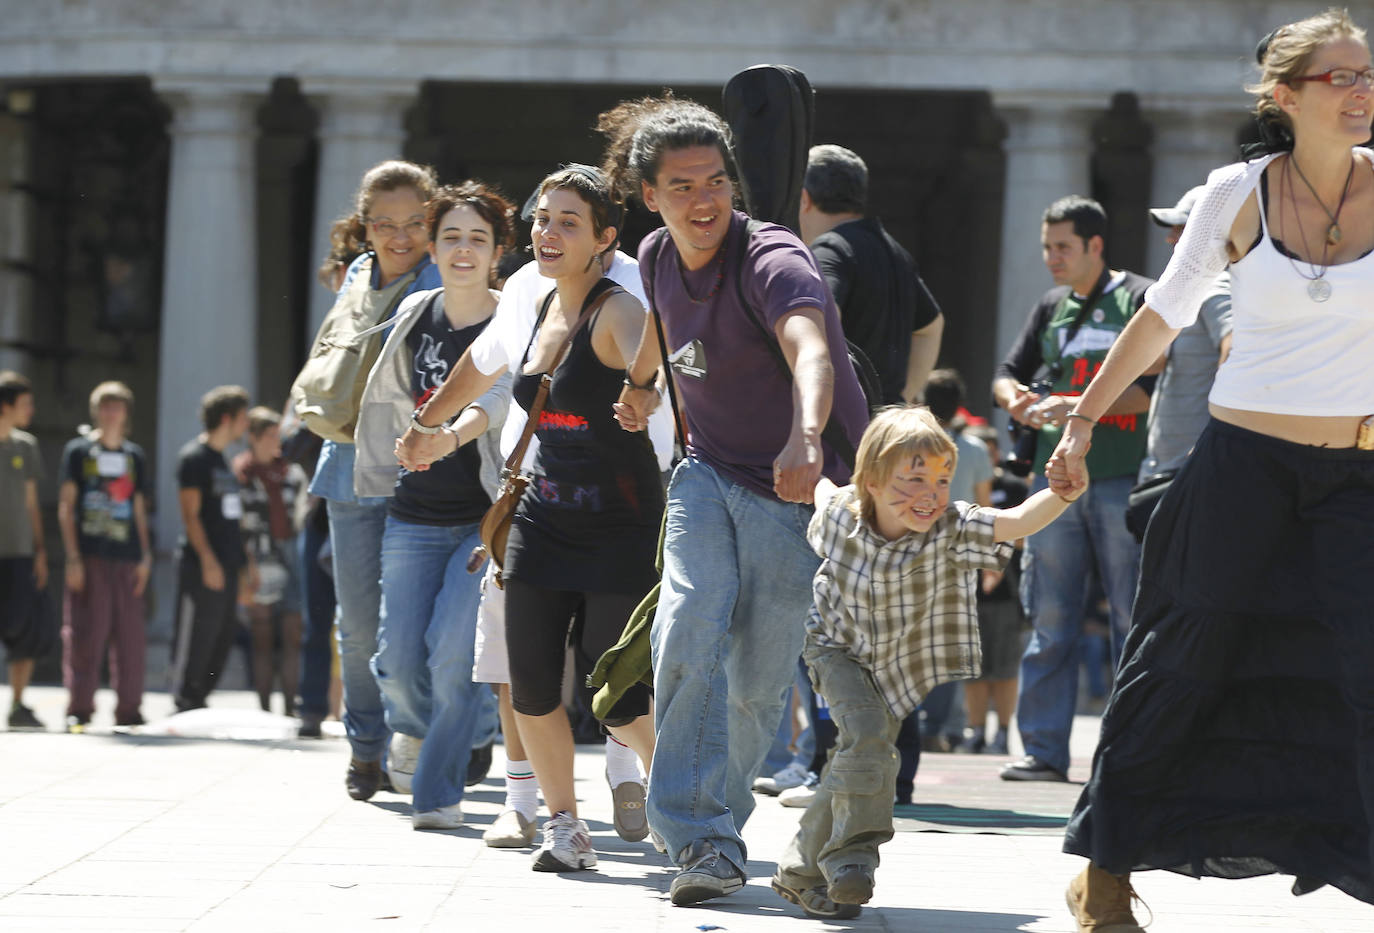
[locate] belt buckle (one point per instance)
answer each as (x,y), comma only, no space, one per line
(1364,437)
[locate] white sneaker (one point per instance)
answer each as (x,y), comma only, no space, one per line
(802,795)
(566,845)
(450,817)
(402,759)
(794,775)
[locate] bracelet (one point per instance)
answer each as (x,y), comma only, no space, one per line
(1081,417)
(650,386)
(1069,501)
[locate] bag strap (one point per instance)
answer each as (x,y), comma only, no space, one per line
(517,456)
(1056,369)
(651,264)
(388,313)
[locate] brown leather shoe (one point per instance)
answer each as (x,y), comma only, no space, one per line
(1101,902)
(363,778)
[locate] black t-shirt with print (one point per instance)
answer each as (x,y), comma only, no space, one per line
(450,492)
(201,467)
(107,480)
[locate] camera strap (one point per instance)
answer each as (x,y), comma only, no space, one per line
(1056,369)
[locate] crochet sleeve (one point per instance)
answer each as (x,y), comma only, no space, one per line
(1201,255)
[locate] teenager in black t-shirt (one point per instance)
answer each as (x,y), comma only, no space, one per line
(212,552)
(102,512)
(426,640)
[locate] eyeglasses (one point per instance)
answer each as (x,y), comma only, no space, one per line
(1339,77)
(388,228)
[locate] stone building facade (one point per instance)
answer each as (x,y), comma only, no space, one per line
(169,170)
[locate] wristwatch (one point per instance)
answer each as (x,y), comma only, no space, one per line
(419,428)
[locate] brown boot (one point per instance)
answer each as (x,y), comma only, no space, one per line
(1101,902)
(363,778)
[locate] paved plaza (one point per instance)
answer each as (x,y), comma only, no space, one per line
(150,833)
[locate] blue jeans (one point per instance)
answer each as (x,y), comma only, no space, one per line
(780,753)
(1057,569)
(356,533)
(424,652)
(731,617)
(317,601)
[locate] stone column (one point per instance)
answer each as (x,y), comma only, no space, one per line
(1047,150)
(359,126)
(209,291)
(1189,143)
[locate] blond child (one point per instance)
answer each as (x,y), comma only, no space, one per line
(895,613)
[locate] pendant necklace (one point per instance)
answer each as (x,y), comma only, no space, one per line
(1318,288)
(1333,232)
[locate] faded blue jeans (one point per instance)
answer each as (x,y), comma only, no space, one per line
(1056,571)
(424,654)
(355,533)
(729,627)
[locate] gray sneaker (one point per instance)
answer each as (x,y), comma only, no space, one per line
(705,874)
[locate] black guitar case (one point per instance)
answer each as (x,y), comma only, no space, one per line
(771,110)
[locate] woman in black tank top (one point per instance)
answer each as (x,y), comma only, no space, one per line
(584,537)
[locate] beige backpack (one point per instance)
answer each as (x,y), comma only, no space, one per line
(329,388)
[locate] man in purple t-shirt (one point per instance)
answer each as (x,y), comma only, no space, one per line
(737,569)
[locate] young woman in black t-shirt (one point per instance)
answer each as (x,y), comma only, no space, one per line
(425,641)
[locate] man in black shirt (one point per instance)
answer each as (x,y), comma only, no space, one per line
(212,549)
(884,308)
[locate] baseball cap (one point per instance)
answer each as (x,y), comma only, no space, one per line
(1177,215)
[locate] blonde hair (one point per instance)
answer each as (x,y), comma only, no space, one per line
(1287,52)
(897,435)
(112,392)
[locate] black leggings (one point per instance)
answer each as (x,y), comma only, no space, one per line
(537,622)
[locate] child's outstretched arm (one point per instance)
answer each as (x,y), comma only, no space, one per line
(1036,512)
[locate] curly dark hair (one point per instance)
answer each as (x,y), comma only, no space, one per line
(489,203)
(638,132)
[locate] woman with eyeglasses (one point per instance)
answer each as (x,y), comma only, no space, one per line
(585,534)
(1239,739)
(388,227)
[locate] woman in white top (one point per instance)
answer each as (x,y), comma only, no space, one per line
(1239,739)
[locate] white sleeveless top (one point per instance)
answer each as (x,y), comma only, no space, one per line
(1289,355)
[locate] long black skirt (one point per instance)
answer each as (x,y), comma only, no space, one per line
(1239,738)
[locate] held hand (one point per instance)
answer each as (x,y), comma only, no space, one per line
(76,575)
(212,575)
(634,407)
(40,569)
(991,578)
(141,574)
(416,451)
(797,469)
(1066,470)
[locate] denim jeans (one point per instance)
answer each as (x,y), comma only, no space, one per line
(780,753)
(356,533)
(424,652)
(317,601)
(851,814)
(1057,570)
(731,616)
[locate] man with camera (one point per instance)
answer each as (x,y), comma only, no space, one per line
(1060,348)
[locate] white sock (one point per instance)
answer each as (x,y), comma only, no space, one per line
(522,789)
(622,764)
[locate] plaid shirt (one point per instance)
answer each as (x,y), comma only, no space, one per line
(906,609)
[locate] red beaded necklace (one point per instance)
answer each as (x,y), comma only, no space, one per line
(715,287)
